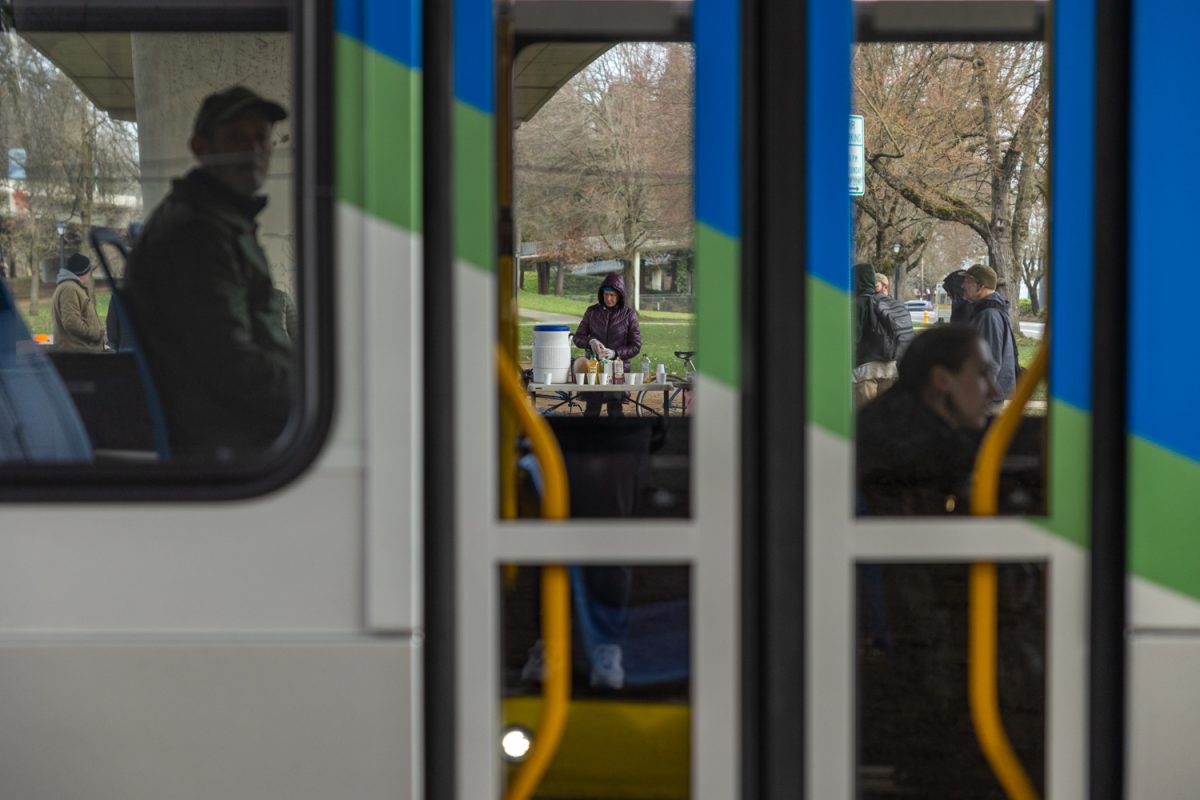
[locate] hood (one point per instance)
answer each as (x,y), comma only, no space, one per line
(65,274)
(616,281)
(864,278)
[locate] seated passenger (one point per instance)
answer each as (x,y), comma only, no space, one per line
(609,329)
(917,442)
(200,294)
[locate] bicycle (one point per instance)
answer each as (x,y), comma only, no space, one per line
(679,397)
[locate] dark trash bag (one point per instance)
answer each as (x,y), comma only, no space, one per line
(38,422)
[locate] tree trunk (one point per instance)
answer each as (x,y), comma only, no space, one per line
(543,273)
(558,279)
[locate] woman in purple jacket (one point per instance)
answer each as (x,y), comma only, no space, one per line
(609,329)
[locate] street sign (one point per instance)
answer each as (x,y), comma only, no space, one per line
(858,157)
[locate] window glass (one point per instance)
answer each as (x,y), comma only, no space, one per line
(150,294)
(948,285)
(628,733)
(605,278)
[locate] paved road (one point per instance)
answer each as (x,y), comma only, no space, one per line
(1034,330)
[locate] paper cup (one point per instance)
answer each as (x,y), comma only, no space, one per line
(633,378)
(581,378)
(605,379)
(547,377)
(592,378)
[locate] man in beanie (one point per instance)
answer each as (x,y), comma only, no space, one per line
(989,316)
(200,292)
(77,326)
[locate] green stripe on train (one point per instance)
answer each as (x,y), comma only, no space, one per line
(1163,514)
(1070,478)
(474,187)
(378,134)
(830,399)
(718,300)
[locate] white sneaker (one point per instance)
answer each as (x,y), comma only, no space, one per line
(607,672)
(534,670)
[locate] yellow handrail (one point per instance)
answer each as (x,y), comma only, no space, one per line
(556,593)
(981,653)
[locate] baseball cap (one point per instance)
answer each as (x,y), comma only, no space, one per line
(984,276)
(223,106)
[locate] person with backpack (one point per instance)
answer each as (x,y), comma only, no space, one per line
(897,312)
(875,340)
(989,317)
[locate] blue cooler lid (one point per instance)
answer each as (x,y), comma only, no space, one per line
(552,327)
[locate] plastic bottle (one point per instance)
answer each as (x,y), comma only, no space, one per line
(646,368)
(618,370)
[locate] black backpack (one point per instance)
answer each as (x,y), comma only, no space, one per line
(895,321)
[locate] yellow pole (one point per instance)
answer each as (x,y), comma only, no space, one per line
(981,649)
(556,592)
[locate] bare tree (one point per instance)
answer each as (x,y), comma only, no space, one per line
(609,157)
(956,130)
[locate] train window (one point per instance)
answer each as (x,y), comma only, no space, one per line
(915,730)
(157,294)
(627,643)
(604,277)
(948,285)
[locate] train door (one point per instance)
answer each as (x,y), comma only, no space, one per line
(649,544)
(894,698)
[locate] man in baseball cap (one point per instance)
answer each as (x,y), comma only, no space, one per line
(200,293)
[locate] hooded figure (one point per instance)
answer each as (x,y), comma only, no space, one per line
(77,326)
(875,340)
(609,329)
(960,306)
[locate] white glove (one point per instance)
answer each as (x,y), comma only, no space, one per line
(609,354)
(596,347)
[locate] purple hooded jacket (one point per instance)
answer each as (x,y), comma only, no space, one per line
(616,328)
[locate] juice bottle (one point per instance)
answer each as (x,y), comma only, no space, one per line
(618,371)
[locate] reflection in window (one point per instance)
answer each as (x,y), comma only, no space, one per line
(951,229)
(915,735)
(171,341)
(628,731)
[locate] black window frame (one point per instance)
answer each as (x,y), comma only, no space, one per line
(310,25)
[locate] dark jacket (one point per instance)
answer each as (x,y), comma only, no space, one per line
(871,341)
(200,296)
(989,316)
(910,461)
(617,328)
(77,326)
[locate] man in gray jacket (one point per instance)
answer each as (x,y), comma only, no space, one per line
(77,326)
(989,316)
(200,292)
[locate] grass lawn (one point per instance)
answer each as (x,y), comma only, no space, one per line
(575,308)
(658,341)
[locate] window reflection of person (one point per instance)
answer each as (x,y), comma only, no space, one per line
(917,442)
(200,291)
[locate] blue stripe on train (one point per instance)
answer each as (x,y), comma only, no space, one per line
(1164,376)
(1073,110)
(718,115)
(390,27)
(830,33)
(474,59)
